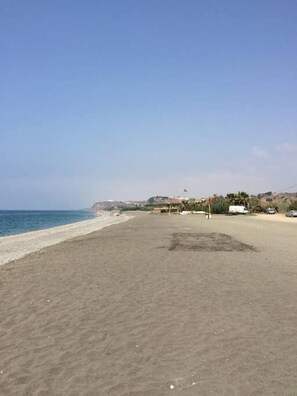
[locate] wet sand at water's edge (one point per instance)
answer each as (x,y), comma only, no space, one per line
(155,305)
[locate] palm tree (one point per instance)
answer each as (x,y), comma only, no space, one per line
(184,205)
(231,197)
(242,198)
(239,198)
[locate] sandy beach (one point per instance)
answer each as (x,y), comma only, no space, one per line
(278,217)
(157,305)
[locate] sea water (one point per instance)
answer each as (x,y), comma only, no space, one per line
(14,222)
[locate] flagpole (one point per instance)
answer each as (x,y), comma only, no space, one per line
(209,209)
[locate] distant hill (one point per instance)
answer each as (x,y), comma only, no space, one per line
(156,200)
(278,197)
(108,205)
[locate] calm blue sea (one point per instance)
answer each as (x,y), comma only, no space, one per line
(14,222)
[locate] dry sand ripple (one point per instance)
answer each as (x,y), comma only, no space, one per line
(118,313)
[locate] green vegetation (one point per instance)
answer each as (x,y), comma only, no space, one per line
(293,205)
(219,205)
(191,205)
(255,205)
(239,198)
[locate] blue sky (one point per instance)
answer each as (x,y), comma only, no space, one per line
(128,99)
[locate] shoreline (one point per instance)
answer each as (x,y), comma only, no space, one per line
(14,247)
(48,226)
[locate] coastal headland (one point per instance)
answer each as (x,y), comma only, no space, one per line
(153,306)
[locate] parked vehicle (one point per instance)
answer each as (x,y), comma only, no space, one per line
(238,209)
(292,213)
(270,211)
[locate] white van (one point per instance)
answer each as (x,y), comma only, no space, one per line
(238,209)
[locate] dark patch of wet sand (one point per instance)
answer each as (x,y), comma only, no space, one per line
(117,312)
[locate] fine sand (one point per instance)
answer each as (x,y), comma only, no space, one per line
(158,305)
(279,217)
